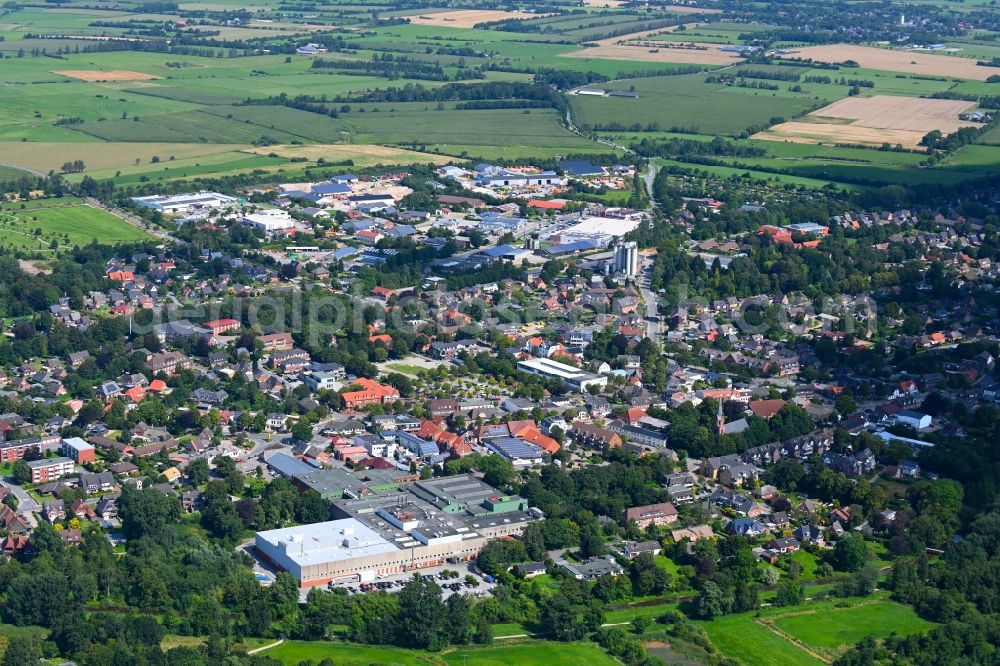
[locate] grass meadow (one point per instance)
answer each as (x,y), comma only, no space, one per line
(814,634)
(67,222)
(516,654)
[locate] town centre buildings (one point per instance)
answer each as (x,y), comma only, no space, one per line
(430,523)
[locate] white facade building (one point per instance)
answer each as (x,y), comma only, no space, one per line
(269,220)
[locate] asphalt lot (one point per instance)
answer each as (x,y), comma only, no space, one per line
(449,585)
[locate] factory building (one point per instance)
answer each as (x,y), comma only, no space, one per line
(429,523)
(573,377)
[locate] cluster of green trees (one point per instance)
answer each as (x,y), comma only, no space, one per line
(392,67)
(690,147)
(416,617)
(959,592)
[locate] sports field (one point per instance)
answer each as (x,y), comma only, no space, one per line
(66,222)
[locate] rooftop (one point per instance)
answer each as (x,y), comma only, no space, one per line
(325,542)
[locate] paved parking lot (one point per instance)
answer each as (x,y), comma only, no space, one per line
(449,585)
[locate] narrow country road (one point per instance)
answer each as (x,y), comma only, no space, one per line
(266,647)
(33,172)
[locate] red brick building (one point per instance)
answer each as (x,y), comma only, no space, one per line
(663,513)
(371,393)
(220,326)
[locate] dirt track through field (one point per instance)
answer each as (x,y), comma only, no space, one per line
(897,61)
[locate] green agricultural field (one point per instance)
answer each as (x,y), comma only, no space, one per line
(689,103)
(849,166)
(991,138)
(67,222)
(213,165)
(518,654)
(50,156)
(11,173)
(539,128)
(183,128)
(981,159)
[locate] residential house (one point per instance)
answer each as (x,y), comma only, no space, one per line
(663,513)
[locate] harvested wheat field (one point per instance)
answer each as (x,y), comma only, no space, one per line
(897,61)
(110,75)
(873,120)
(469,18)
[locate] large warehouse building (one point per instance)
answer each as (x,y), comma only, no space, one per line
(574,377)
(430,523)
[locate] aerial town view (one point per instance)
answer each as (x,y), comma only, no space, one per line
(469,333)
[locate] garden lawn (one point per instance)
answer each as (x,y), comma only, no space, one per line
(807,561)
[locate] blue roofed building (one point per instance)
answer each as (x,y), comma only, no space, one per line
(401,231)
(499,252)
(580,168)
(330,189)
(344,253)
(519,452)
(288,466)
(421,448)
(564,249)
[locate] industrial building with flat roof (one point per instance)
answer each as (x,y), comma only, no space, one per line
(429,523)
(186,203)
(574,377)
